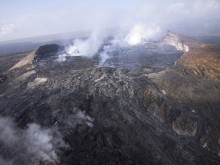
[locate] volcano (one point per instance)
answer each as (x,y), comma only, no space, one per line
(155,103)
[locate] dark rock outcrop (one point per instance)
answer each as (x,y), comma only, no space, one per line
(3,78)
(47,51)
(185,125)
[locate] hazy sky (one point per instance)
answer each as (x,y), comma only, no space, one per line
(27,18)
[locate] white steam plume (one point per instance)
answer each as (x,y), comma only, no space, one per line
(84,47)
(105,54)
(140,33)
(29,146)
(75,117)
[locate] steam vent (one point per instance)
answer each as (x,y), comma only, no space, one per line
(152,104)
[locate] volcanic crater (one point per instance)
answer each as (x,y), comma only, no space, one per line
(156,103)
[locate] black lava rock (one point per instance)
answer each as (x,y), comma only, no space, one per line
(47,51)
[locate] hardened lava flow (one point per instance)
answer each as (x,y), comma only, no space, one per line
(161,107)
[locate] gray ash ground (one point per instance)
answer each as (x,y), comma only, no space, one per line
(110,114)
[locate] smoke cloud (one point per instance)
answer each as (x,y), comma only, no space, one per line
(105,54)
(28,146)
(84,47)
(87,47)
(91,46)
(140,33)
(72,118)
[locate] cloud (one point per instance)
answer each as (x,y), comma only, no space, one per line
(197,8)
(77,16)
(6,29)
(206,6)
(177,7)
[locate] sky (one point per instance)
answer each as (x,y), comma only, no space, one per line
(28,18)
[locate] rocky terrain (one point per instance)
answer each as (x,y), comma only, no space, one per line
(202,60)
(161,107)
